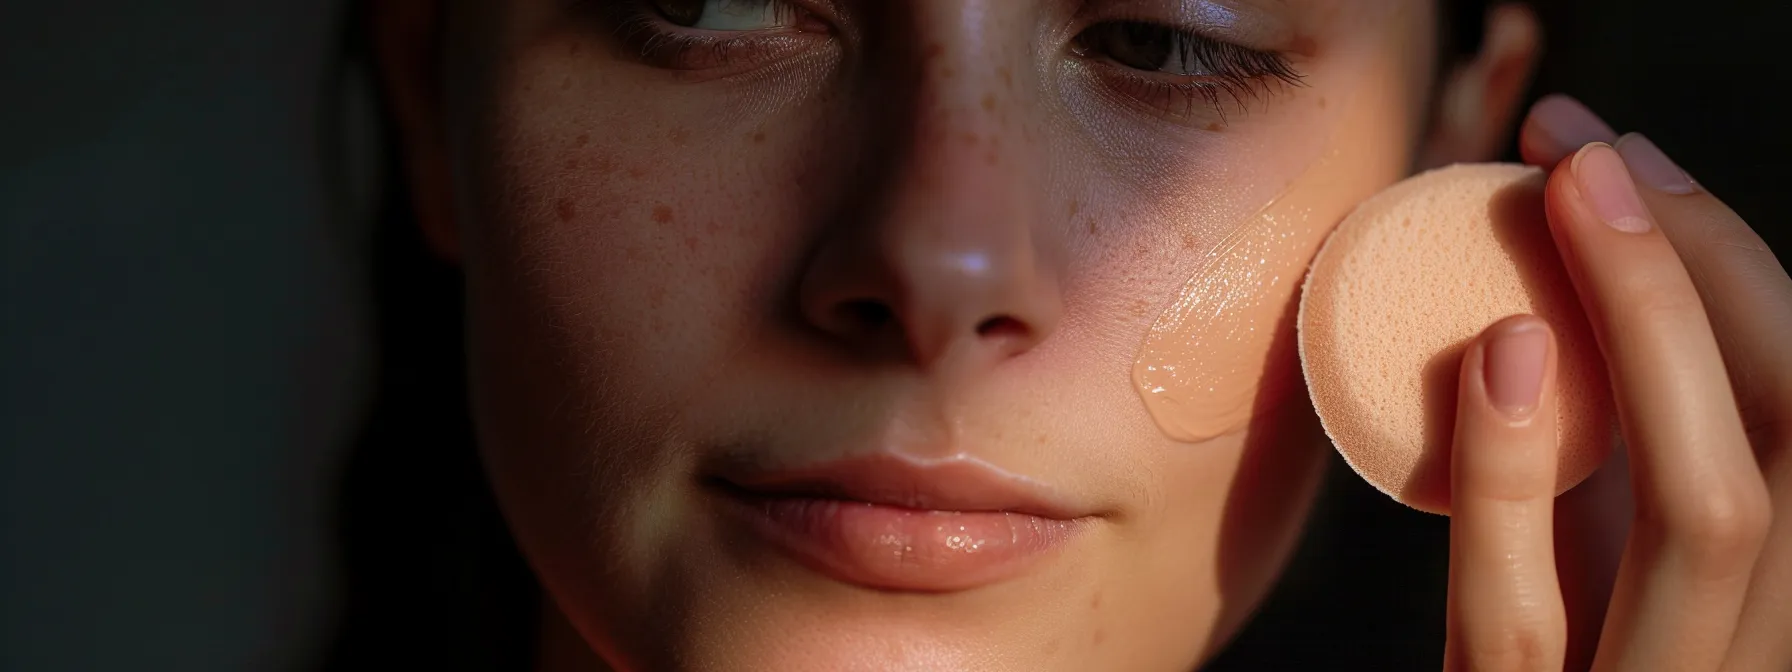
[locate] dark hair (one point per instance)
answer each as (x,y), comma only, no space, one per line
(431,576)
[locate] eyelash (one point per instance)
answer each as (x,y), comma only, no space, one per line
(659,42)
(1232,73)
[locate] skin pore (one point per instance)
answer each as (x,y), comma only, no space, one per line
(937,230)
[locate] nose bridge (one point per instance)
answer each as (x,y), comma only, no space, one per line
(955,234)
(962,230)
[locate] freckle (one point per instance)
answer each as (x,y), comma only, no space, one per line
(572,163)
(1006,75)
(566,83)
(662,213)
(1322,102)
(1091,225)
(991,158)
(1215,126)
(1074,207)
(1100,636)
(636,172)
(947,72)
(1095,603)
(758,136)
(1188,241)
(582,140)
(1051,647)
(712,228)
(970,139)
(690,243)
(679,136)
(989,103)
(566,209)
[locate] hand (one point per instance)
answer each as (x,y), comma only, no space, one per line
(1694,317)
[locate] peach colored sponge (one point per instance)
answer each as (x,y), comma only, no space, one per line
(1396,294)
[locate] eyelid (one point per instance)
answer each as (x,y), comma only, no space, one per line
(1257,24)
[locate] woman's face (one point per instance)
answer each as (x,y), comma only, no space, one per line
(761,292)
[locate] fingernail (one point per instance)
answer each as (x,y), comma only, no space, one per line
(1652,167)
(1512,366)
(1568,123)
(1606,185)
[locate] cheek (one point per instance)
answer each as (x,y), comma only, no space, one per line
(652,225)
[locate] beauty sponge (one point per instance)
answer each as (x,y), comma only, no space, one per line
(1395,296)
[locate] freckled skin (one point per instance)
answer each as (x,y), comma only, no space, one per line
(656,262)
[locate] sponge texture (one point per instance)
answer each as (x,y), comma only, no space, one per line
(1395,296)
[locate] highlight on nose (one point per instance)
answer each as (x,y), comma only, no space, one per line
(981,306)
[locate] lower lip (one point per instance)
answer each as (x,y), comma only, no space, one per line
(893,548)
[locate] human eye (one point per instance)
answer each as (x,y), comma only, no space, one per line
(1173,68)
(719,36)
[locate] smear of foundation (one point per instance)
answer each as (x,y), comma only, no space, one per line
(1206,364)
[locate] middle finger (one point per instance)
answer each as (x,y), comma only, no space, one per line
(1701,505)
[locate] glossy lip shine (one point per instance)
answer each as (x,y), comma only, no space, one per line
(891,524)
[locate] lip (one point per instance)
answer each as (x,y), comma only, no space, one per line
(891,523)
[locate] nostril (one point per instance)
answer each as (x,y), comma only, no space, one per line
(1001,326)
(866,315)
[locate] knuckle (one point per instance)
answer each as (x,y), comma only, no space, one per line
(1653,299)
(1526,648)
(1724,530)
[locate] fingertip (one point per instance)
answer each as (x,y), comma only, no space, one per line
(1558,126)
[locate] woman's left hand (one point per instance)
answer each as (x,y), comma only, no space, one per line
(1693,314)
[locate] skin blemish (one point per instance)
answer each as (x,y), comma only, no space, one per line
(572,163)
(970,139)
(758,137)
(566,83)
(989,102)
(690,243)
(1215,126)
(679,136)
(1092,225)
(636,172)
(1100,636)
(990,157)
(1073,207)
(1322,102)
(1006,76)
(566,209)
(582,140)
(662,213)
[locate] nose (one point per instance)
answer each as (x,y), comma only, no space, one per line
(948,257)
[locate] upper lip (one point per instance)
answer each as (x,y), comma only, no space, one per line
(953,484)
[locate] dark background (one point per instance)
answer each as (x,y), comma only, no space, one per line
(204,373)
